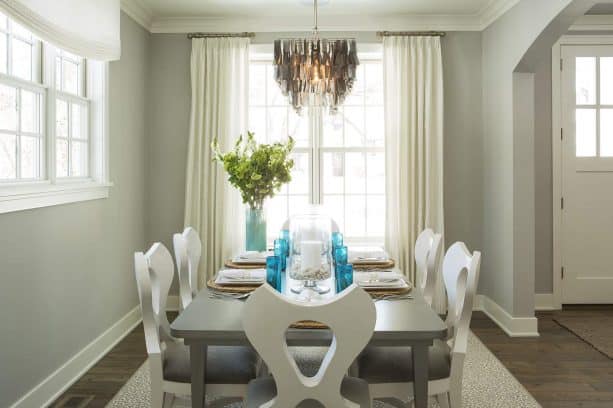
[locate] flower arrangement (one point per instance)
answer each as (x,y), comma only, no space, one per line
(256,170)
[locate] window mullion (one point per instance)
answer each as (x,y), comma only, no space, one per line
(18,137)
(9,51)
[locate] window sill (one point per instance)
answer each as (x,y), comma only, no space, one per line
(26,196)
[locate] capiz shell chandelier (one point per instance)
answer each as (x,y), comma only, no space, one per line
(315,71)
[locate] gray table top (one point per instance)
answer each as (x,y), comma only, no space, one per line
(219,322)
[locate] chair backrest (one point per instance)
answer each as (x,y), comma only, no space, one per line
(268,315)
(461,276)
(333,227)
(427,255)
(154,272)
(188,249)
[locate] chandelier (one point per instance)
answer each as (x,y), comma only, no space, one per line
(315,71)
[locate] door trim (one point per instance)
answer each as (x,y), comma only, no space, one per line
(556,148)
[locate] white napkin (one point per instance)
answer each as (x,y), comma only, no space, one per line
(240,276)
(366,254)
(252,257)
(379,279)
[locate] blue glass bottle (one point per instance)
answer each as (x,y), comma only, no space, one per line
(273,272)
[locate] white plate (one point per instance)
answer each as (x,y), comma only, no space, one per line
(241,277)
(380,280)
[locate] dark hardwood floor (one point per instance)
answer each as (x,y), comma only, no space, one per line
(558,368)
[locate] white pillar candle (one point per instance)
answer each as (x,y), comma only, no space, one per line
(311,254)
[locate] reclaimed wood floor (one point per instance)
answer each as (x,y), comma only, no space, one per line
(558,368)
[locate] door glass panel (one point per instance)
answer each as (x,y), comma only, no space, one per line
(606,133)
(606,81)
(585,132)
(586,80)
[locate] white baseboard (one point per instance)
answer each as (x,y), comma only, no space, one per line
(61,379)
(512,326)
(544,302)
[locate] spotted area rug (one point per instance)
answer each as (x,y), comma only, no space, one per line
(487,383)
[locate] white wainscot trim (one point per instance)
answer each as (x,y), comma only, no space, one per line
(26,196)
(544,302)
(61,379)
(512,326)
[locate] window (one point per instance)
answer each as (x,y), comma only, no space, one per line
(48,146)
(594,107)
(340,159)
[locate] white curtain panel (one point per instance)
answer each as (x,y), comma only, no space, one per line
(89,28)
(413,76)
(219,75)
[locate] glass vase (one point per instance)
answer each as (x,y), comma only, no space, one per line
(255,230)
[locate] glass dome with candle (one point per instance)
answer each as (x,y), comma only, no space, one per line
(310,236)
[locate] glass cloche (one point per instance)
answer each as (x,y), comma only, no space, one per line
(310,237)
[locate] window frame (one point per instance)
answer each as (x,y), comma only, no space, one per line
(49,190)
(262,54)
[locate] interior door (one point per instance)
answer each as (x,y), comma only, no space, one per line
(587,174)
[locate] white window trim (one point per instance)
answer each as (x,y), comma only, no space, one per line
(50,191)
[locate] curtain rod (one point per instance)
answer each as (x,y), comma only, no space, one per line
(411,33)
(218,35)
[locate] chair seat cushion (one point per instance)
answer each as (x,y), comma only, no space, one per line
(224,365)
(379,365)
(263,390)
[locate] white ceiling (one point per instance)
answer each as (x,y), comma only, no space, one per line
(295,15)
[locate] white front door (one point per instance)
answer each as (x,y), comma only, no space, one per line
(587,174)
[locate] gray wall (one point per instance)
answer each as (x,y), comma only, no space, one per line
(543,182)
(462,138)
(169,112)
(67,271)
(169,109)
(508,269)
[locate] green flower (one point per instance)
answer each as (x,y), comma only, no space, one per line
(256,170)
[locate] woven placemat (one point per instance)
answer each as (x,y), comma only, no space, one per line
(255,265)
(374,265)
(232,288)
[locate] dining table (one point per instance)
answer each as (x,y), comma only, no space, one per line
(211,320)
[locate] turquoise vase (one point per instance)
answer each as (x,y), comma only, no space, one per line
(255,230)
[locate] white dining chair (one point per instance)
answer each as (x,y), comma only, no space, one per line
(229,369)
(389,370)
(266,319)
(188,248)
(427,255)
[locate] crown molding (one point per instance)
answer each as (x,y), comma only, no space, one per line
(143,14)
(139,12)
(327,23)
(494,10)
(593,23)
